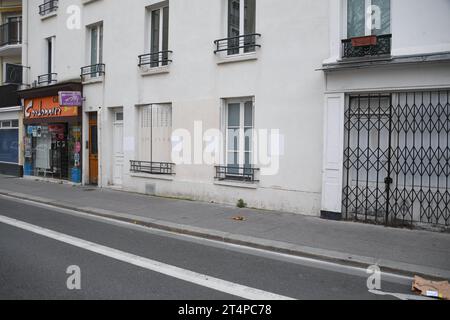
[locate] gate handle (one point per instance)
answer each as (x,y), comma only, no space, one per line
(388,181)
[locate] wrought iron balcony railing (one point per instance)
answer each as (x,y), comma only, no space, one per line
(162,168)
(156,59)
(377,46)
(11,32)
(234,173)
(48,7)
(92,71)
(49,78)
(235,45)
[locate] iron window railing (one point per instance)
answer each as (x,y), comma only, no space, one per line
(381,47)
(11,32)
(152,167)
(93,71)
(48,78)
(244,174)
(48,7)
(156,59)
(233,45)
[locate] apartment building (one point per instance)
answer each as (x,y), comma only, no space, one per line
(10,80)
(219,75)
(387,111)
(335,107)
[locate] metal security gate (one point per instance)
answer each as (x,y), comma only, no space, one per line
(397,158)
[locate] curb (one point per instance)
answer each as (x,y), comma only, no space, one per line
(399,268)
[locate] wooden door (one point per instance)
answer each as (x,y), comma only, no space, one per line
(93,149)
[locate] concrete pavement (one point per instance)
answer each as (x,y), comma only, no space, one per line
(405,251)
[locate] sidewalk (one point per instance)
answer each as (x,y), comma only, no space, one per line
(405,251)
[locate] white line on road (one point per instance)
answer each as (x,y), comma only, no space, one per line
(159,267)
(326,265)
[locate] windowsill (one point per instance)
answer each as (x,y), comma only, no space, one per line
(152,176)
(237,184)
(147,71)
(93,80)
(223,59)
(49,15)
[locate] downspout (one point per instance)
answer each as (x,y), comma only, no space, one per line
(25,15)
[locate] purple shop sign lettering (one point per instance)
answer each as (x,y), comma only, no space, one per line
(70,98)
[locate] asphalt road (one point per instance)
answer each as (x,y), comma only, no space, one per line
(123,261)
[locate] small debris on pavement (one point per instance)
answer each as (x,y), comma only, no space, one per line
(433,289)
(239,218)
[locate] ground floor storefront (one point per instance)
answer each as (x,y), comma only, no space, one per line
(387,156)
(52,135)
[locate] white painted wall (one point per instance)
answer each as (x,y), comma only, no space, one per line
(288,91)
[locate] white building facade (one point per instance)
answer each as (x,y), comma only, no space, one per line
(246,99)
(386,136)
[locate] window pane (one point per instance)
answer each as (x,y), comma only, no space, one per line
(233,25)
(94,140)
(15,123)
(119,116)
(233,159)
(100,45)
(249,24)
(155,37)
(385,11)
(248,118)
(234,115)
(94,45)
(248,160)
(233,140)
(356,18)
(165,34)
(248,139)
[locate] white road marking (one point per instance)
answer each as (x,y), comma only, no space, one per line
(159,267)
(325,265)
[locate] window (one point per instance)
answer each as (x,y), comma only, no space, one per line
(368,17)
(239,135)
(96,51)
(241,22)
(155,130)
(96,68)
(159,36)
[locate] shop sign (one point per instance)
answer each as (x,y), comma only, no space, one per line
(48,107)
(70,98)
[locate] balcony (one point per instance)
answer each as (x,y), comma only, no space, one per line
(367,47)
(238,45)
(156,59)
(47,79)
(94,72)
(234,173)
(11,37)
(158,168)
(48,7)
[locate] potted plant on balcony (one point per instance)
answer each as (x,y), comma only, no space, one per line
(364,41)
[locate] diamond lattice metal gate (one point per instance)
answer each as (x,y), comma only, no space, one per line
(396,158)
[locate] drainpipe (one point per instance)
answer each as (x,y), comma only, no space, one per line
(25,41)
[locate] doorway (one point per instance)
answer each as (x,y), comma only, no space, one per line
(93,149)
(117,150)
